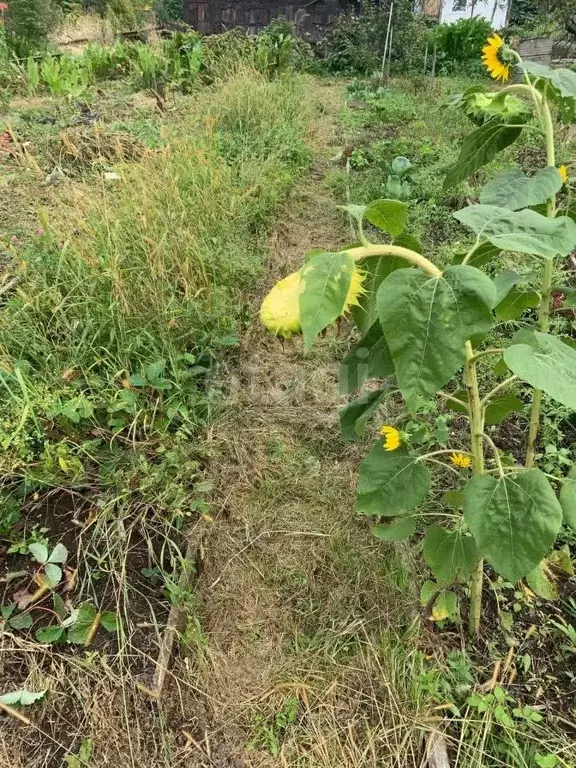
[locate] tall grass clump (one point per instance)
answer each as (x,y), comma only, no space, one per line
(134,288)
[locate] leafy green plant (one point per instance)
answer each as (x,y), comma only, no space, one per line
(421,325)
(22,698)
(459,44)
(268,732)
(398,186)
(28,24)
(63,76)
(357,40)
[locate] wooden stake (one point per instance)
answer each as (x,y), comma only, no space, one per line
(177,616)
(385,54)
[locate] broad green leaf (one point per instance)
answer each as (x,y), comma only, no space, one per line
(325,283)
(86,622)
(524,336)
(501,407)
(39,552)
(408,241)
(482,255)
(137,381)
(500,368)
(7,610)
(315,252)
(31,697)
(11,698)
(21,621)
(461,395)
(365,314)
(568,499)
(59,606)
(109,621)
(396,531)
(387,215)
(514,520)
(50,634)
(356,211)
(561,560)
(391,482)
(445,607)
(481,147)
(354,417)
(427,321)
(568,340)
(516,302)
(504,282)
(450,555)
(540,583)
(522,231)
(369,359)
(400,165)
(514,190)
(53,574)
(23,697)
(428,591)
(562,79)
(454,499)
(59,554)
(155,370)
(549,366)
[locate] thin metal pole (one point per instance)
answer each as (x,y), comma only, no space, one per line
(425,61)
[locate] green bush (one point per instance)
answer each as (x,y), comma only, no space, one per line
(357,40)
(459,45)
(168,10)
(28,24)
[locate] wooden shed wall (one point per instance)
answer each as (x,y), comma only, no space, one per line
(213,16)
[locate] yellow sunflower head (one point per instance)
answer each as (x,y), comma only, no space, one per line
(280,310)
(563,171)
(460,460)
(495,58)
(391,437)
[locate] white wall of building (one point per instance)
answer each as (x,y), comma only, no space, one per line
(494,10)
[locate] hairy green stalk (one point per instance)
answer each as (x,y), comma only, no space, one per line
(476,416)
(546,288)
(417,259)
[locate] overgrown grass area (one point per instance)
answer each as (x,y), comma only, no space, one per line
(130,290)
(125,276)
(183,579)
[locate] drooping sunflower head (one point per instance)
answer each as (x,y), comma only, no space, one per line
(496,58)
(460,460)
(392,438)
(280,310)
(563,171)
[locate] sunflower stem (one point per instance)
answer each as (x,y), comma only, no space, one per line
(476,415)
(546,289)
(366,251)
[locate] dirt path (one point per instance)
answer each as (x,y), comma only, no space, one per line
(293,588)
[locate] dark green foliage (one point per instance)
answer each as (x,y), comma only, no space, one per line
(459,45)
(28,24)
(357,41)
(169,10)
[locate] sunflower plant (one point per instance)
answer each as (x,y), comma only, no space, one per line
(423,329)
